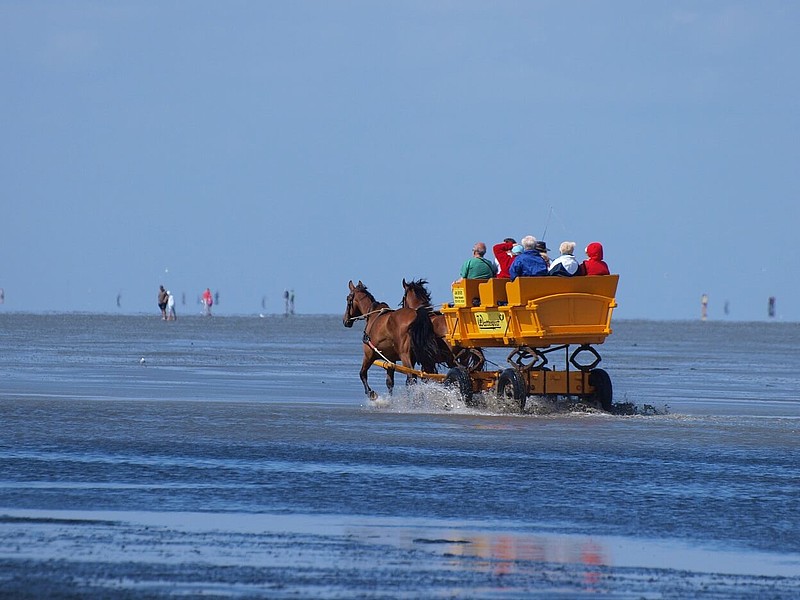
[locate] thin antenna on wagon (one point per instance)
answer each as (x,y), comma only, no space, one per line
(547,223)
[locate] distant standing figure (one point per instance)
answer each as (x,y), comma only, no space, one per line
(170,307)
(594,263)
(162,302)
(291,302)
(565,265)
(530,263)
(478,267)
(208,301)
(704,303)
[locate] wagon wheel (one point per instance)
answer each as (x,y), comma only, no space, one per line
(603,391)
(511,387)
(458,378)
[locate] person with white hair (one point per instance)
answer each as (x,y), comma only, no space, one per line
(565,265)
(530,263)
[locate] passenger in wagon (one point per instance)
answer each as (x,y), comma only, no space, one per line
(594,264)
(530,263)
(542,249)
(503,257)
(478,267)
(565,265)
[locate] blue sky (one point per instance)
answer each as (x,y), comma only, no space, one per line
(252,147)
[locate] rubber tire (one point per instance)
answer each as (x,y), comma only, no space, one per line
(603,390)
(458,378)
(511,385)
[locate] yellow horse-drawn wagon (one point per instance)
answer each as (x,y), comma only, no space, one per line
(535,317)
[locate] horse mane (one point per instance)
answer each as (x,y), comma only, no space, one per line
(375,304)
(419,289)
(423,341)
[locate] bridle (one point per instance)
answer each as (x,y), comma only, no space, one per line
(349,310)
(365,316)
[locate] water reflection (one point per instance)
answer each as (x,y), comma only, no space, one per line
(500,553)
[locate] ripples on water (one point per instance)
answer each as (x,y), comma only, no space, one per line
(266,416)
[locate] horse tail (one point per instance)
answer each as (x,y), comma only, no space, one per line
(423,340)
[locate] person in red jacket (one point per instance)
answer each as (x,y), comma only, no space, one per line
(594,264)
(208,301)
(503,257)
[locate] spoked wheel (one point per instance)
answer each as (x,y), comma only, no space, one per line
(603,391)
(472,359)
(458,378)
(511,387)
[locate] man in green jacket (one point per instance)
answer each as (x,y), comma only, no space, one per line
(478,267)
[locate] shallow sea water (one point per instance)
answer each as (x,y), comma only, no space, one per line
(237,457)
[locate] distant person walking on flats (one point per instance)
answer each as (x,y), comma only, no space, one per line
(162,302)
(478,267)
(170,306)
(208,301)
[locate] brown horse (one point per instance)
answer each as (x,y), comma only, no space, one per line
(405,334)
(416,295)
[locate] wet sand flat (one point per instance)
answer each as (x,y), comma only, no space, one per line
(238,462)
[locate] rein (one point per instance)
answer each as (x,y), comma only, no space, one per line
(370,313)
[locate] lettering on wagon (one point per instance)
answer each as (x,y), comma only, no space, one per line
(490,320)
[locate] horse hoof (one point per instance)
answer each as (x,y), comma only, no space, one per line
(372,395)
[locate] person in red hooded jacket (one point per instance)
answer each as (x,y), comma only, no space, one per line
(594,264)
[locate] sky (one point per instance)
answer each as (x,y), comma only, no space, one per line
(256,147)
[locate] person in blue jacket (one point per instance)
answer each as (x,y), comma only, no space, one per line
(530,263)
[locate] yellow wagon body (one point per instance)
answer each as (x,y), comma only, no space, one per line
(534,312)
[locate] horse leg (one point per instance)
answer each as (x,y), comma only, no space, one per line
(365,365)
(390,380)
(405,358)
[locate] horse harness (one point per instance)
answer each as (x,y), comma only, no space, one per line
(365,337)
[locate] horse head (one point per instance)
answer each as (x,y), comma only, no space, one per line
(350,311)
(359,303)
(416,294)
